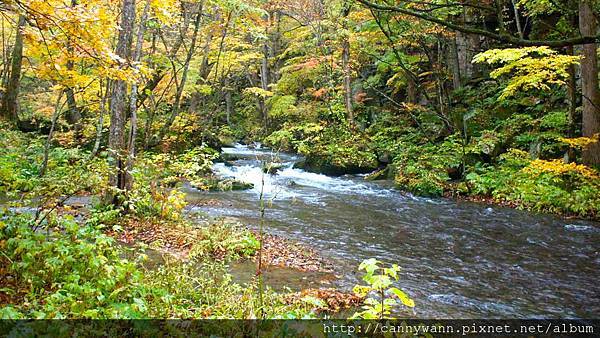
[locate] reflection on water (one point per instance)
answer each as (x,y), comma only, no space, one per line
(459,259)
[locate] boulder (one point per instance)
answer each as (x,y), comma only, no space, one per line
(272,168)
(324,165)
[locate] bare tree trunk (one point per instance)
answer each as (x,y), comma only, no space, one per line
(10,109)
(346,67)
(203,72)
(204,65)
(103,99)
(467,45)
(55,115)
(589,82)
(116,138)
(518,19)
(137,55)
(228,100)
(276,50)
(72,115)
(572,95)
(454,63)
(264,82)
(411,88)
(572,102)
(347,82)
(5,58)
(222,45)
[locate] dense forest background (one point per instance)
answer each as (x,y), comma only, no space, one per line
(494,100)
(471,98)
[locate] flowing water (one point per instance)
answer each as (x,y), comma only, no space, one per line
(458,259)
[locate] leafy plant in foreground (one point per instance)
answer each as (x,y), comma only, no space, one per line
(383,296)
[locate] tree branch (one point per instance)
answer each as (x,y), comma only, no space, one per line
(581,40)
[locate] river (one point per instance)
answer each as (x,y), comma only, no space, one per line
(458,259)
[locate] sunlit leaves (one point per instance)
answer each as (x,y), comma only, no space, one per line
(258,92)
(581,142)
(527,68)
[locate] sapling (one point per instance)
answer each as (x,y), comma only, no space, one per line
(379,281)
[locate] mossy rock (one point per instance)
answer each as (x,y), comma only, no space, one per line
(226,157)
(234,185)
(379,175)
(214,184)
(328,166)
(272,168)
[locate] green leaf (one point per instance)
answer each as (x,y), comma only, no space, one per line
(369,265)
(404,298)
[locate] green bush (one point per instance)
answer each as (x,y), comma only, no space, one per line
(76,271)
(424,170)
(540,185)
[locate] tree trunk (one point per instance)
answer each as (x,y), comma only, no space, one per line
(264,82)
(589,83)
(277,49)
(454,63)
(100,125)
(203,73)
(518,19)
(411,88)
(228,100)
(10,109)
(116,138)
(55,115)
(346,66)
(73,115)
(467,45)
(137,55)
(572,102)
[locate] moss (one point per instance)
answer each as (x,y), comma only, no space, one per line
(337,166)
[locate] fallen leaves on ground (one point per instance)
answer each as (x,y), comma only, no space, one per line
(334,299)
(179,240)
(281,252)
(171,239)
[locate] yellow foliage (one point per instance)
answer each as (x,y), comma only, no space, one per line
(528,68)
(173,205)
(581,142)
(558,167)
(258,92)
(66,139)
(164,10)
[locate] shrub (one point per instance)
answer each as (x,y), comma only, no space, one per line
(424,170)
(540,185)
(78,272)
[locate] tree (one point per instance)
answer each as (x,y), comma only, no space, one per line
(116,138)
(73,114)
(415,9)
(346,64)
(588,37)
(137,54)
(589,81)
(10,105)
(181,85)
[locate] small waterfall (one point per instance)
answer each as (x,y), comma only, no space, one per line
(287,182)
